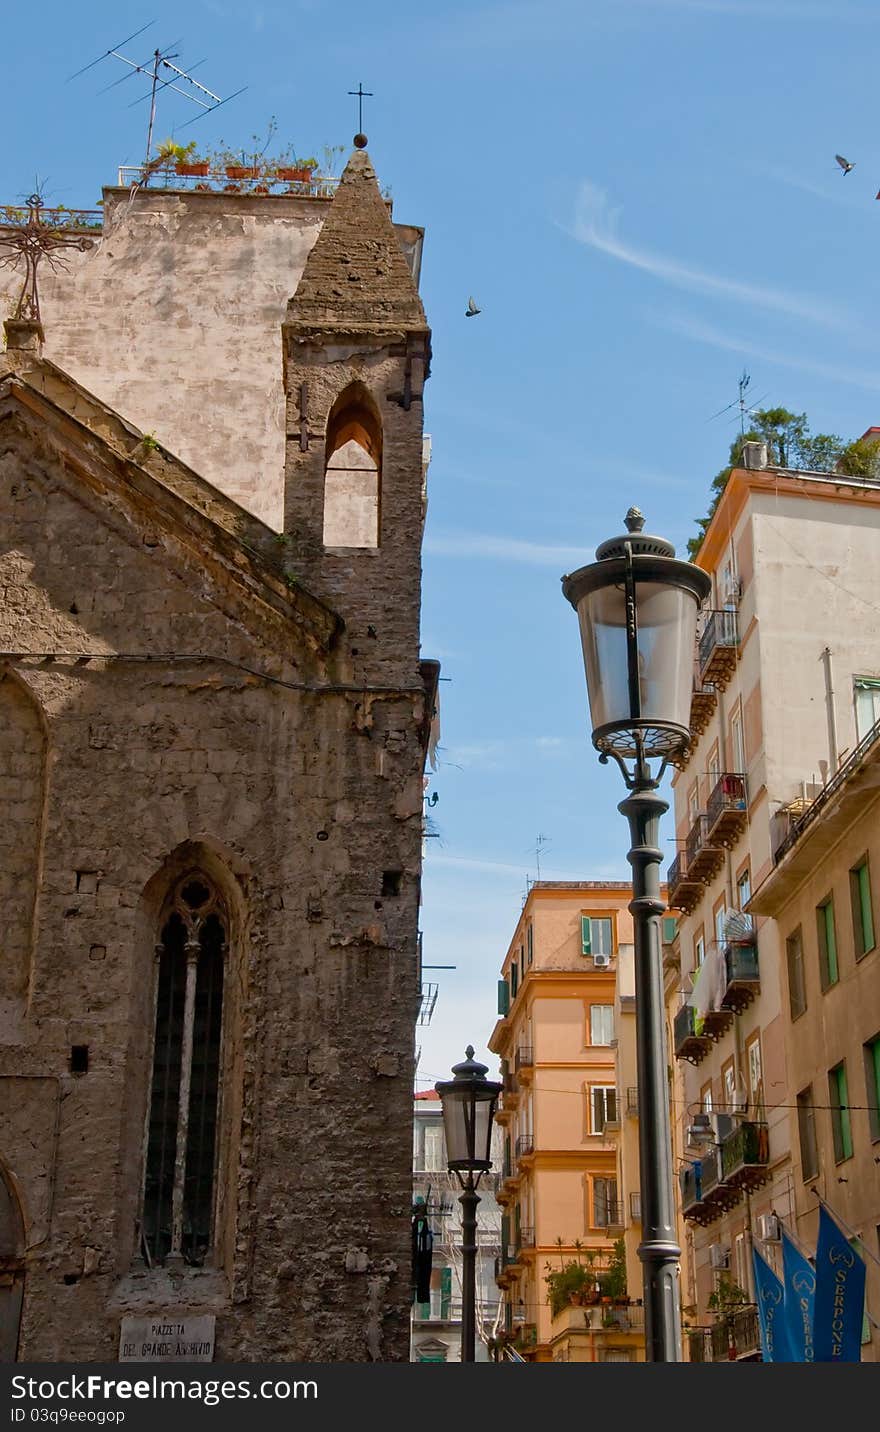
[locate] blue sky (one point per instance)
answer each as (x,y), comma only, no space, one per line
(642,197)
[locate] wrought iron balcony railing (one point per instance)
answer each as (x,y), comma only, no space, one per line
(524,1058)
(742,979)
(727,809)
(525,1145)
(718,647)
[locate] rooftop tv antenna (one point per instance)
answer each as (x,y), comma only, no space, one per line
(162,75)
(740,402)
(541,841)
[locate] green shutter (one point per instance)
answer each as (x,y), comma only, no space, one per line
(514,980)
(503,998)
(830,943)
(845,1124)
(530,942)
(866,911)
(669,927)
(586,942)
(445,1291)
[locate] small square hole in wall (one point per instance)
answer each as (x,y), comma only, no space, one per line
(391,882)
(79,1059)
(87,881)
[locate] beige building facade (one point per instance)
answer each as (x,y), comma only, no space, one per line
(212,740)
(790,632)
(822,898)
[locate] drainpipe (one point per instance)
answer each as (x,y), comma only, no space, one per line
(829,707)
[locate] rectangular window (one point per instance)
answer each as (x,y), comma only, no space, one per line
(827,943)
(603,1099)
(719,916)
(434,1160)
(601,1023)
(706,1099)
(872,1084)
(514,979)
(596,936)
(530,944)
(753,1062)
(605,1209)
(862,908)
(699,951)
(807,1133)
(794,956)
(744,889)
(737,744)
(728,1080)
(838,1098)
(867,694)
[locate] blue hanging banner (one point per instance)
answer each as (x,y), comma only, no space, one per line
(770,1296)
(799,1278)
(840,1295)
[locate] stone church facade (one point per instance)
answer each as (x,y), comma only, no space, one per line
(212,744)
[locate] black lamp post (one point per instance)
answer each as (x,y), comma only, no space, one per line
(468,1101)
(637,607)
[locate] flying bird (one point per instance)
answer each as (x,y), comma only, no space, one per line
(844,163)
(472,309)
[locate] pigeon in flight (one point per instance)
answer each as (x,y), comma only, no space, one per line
(844,163)
(471,309)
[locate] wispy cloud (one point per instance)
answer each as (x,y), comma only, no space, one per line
(505,549)
(842,196)
(702,332)
(596,226)
(480,866)
(499,753)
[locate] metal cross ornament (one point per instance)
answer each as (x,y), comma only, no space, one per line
(360,94)
(34,239)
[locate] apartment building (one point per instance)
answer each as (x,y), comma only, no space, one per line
(436,1324)
(786,653)
(822,897)
(570,1190)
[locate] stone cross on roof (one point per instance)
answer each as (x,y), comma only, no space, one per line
(34,239)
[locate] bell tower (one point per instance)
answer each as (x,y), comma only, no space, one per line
(356,355)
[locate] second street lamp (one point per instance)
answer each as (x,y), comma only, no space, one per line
(637,607)
(468,1101)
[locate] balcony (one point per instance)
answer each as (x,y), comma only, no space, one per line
(524,1059)
(506,1268)
(609,1215)
(689,1037)
(703,853)
(718,649)
(525,1145)
(526,1238)
(745,1155)
(526,1337)
(736,1336)
(742,980)
(699,1184)
(704,699)
(632,1103)
(727,809)
(683,888)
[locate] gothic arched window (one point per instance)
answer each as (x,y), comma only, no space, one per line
(179,1177)
(352,476)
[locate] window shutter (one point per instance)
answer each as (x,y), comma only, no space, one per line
(445,1292)
(586,943)
(503,998)
(530,943)
(514,980)
(611,1104)
(598,1110)
(669,924)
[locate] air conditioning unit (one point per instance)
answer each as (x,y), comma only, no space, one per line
(754,455)
(601,962)
(719,1257)
(768,1228)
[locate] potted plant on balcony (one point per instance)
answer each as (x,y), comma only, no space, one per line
(188,162)
(612,1280)
(299,171)
(574,1281)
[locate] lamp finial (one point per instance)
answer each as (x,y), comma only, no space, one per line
(634,520)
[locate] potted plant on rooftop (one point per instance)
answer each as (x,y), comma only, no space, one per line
(189,163)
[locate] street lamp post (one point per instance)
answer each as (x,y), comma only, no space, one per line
(637,608)
(468,1101)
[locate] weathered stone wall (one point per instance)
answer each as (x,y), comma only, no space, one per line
(21,799)
(174,319)
(296,801)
